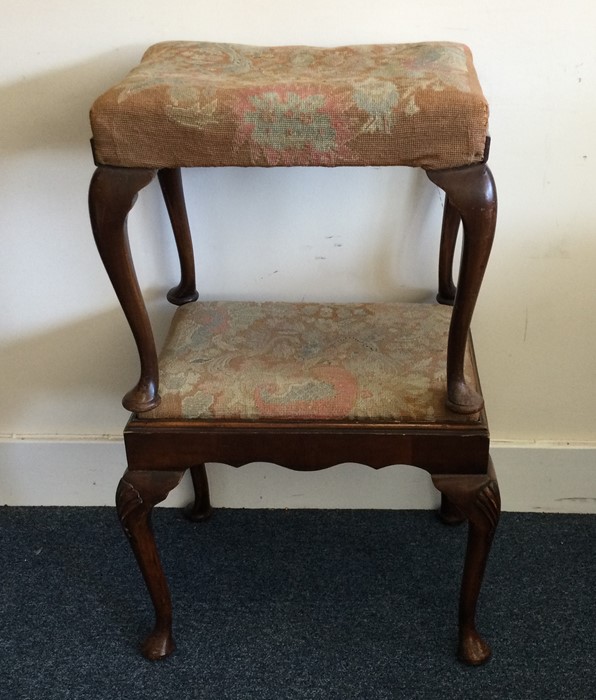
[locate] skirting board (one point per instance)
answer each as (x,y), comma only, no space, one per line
(533,477)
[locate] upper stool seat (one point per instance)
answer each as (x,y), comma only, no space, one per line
(213,104)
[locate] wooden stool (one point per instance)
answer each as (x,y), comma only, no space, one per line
(306,386)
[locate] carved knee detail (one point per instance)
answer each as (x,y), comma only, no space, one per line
(138,492)
(477,498)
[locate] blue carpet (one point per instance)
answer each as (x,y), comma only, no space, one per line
(294,605)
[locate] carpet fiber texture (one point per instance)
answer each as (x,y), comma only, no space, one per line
(294,604)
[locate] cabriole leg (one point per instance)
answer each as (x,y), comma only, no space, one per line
(112,194)
(477,498)
(170,180)
(137,494)
(449,231)
(472,192)
(201,508)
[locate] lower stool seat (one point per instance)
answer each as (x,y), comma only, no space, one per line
(207,104)
(383,362)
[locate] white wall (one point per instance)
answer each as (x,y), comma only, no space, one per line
(65,353)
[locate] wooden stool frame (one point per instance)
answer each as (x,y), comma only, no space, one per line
(160,451)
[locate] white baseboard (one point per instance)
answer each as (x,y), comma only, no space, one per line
(533,477)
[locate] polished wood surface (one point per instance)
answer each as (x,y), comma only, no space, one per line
(170,180)
(112,194)
(137,494)
(471,194)
(478,500)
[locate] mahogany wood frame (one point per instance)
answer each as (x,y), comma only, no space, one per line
(159,451)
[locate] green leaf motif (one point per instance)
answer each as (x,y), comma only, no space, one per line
(293,123)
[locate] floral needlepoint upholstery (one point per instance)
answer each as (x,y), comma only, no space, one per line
(306,361)
(207,104)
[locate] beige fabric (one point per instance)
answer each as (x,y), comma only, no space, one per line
(207,104)
(282,361)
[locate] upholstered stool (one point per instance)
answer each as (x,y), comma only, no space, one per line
(306,386)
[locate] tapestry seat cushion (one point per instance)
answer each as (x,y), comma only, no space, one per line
(212,104)
(305,361)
